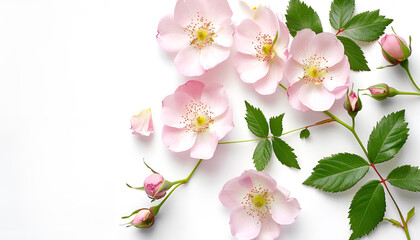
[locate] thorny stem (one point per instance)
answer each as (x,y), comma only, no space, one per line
(383,181)
(404,64)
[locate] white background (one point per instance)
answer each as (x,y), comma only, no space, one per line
(72,73)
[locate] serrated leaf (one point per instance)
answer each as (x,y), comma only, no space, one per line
(304,134)
(338,172)
(405,177)
(355,54)
(410,214)
(284,153)
(367,26)
(387,138)
(341,12)
(299,16)
(393,221)
(262,154)
(367,209)
(276,125)
(257,123)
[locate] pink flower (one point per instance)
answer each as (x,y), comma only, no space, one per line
(152,185)
(392,48)
(196,117)
(200,32)
(258,206)
(261,45)
(317,71)
(143,219)
(142,123)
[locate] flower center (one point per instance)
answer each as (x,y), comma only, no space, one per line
(257,203)
(264,47)
(198,117)
(200,31)
(267,48)
(315,69)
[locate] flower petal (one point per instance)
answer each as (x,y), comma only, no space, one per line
(269,229)
(328,46)
(301,47)
(171,36)
(250,69)
(262,179)
(187,61)
(283,38)
(294,71)
(224,33)
(173,108)
(192,88)
(216,11)
(293,94)
(284,210)
(243,226)
(213,55)
(234,190)
(183,13)
(246,33)
(268,84)
(205,145)
(316,97)
(142,123)
(216,98)
(338,75)
(178,139)
(267,20)
(223,124)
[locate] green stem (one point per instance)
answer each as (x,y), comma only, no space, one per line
(242,141)
(404,64)
(408,93)
(407,234)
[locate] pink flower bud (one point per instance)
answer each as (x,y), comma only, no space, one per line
(394,49)
(381,91)
(152,185)
(353,104)
(142,123)
(143,219)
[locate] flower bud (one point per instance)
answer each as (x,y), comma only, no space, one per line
(394,49)
(155,186)
(142,123)
(381,91)
(144,218)
(353,104)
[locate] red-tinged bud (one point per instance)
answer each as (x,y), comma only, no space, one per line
(155,186)
(353,104)
(381,91)
(144,218)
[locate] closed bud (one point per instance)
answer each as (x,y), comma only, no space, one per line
(381,91)
(144,218)
(353,104)
(155,186)
(394,49)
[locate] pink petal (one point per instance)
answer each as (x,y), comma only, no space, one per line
(302,47)
(269,229)
(337,75)
(215,10)
(183,14)
(245,35)
(317,98)
(340,92)
(243,226)
(216,98)
(268,84)
(173,108)
(267,20)
(294,71)
(283,39)
(171,37)
(192,88)
(284,210)
(262,179)
(250,69)
(224,34)
(142,123)
(187,61)
(178,140)
(213,55)
(223,124)
(293,94)
(328,46)
(234,190)
(205,145)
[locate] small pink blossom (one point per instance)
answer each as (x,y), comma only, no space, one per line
(143,219)
(142,123)
(392,48)
(196,117)
(317,71)
(200,32)
(152,184)
(261,44)
(258,206)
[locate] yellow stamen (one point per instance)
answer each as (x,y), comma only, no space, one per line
(201,120)
(202,34)
(258,200)
(267,49)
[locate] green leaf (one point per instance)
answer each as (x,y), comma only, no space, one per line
(387,138)
(405,177)
(355,54)
(262,154)
(284,153)
(367,209)
(393,221)
(136,211)
(338,172)
(341,12)
(304,134)
(276,125)
(410,214)
(299,16)
(367,26)
(257,123)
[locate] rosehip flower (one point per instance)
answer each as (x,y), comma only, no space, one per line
(152,185)
(381,91)
(258,206)
(394,49)
(261,56)
(317,71)
(142,123)
(200,32)
(353,104)
(196,117)
(143,219)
